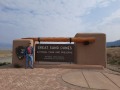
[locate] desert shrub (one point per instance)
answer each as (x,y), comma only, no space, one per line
(112,62)
(113,56)
(109,55)
(118,62)
(8,63)
(3,63)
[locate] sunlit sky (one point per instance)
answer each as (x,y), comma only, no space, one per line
(58,18)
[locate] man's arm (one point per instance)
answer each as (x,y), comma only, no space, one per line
(25,52)
(32,51)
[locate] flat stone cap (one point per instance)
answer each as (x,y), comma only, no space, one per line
(90,34)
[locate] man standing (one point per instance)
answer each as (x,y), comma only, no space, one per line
(29,56)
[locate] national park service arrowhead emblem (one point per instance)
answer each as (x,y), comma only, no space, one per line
(20,52)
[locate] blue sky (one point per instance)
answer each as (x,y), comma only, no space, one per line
(58,18)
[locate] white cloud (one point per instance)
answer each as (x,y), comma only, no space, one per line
(26,18)
(104,3)
(115,16)
(109,25)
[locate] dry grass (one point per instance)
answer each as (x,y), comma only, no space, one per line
(5,53)
(113,55)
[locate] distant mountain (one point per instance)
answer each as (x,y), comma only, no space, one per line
(5,46)
(113,44)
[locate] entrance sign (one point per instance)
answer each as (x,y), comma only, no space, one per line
(54,52)
(84,51)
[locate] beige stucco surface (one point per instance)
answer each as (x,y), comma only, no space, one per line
(92,54)
(16,43)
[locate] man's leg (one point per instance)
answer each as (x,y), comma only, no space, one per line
(27,59)
(31,61)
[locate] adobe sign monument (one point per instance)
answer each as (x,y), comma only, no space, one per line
(88,49)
